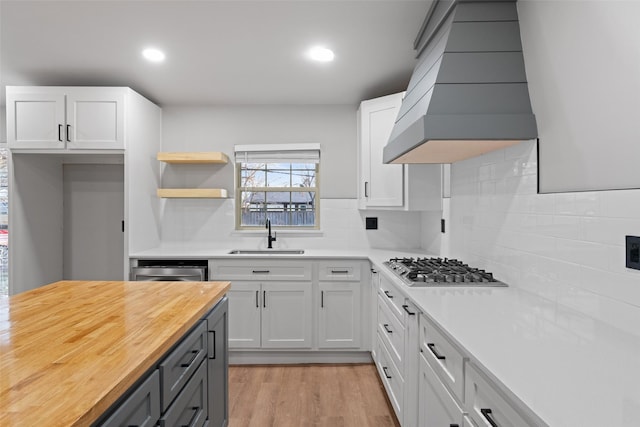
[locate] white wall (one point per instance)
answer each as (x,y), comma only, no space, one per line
(210,223)
(566,247)
(583,62)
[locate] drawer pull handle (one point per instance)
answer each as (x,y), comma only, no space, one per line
(386,328)
(432,347)
(406,308)
(339,271)
(454,425)
(260,271)
(194,354)
(386,374)
(195,410)
(388,295)
(486,413)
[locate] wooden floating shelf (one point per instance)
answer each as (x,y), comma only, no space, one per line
(193,157)
(192,193)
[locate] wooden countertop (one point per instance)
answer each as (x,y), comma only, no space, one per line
(68,350)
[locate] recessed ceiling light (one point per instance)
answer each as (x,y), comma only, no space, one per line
(321,54)
(153,55)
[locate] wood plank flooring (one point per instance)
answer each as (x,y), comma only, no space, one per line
(308,395)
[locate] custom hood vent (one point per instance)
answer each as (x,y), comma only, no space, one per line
(468,93)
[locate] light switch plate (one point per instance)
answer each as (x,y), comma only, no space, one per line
(371,223)
(633,252)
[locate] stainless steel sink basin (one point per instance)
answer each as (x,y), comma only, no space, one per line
(267,252)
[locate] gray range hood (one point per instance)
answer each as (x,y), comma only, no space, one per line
(468,93)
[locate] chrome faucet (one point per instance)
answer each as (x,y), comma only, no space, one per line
(270,238)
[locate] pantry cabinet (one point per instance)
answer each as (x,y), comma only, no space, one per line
(72,118)
(391,186)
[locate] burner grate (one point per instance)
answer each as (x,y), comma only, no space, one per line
(440,272)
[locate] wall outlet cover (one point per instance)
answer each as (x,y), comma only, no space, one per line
(633,252)
(371,223)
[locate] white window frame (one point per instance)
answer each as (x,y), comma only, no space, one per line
(276,153)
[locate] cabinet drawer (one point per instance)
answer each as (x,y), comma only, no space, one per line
(392,295)
(445,358)
(437,407)
(190,407)
(392,332)
(262,270)
(142,407)
(343,271)
(485,403)
(182,362)
(393,382)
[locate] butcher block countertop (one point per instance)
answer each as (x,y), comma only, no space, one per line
(68,350)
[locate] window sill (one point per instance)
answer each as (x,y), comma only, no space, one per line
(288,233)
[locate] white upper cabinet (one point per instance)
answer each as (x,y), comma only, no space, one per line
(66,117)
(389,186)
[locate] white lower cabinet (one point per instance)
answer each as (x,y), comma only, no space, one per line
(286,315)
(270,315)
(339,315)
(437,407)
(486,405)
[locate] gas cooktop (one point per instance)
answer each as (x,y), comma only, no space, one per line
(440,272)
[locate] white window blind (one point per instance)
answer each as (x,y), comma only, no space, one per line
(277,153)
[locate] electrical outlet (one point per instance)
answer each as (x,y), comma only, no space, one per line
(633,252)
(371,223)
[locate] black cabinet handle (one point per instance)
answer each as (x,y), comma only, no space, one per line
(195,410)
(321,299)
(374,271)
(264,299)
(260,271)
(212,346)
(486,413)
(454,425)
(406,308)
(432,347)
(366,189)
(257,299)
(194,354)
(68,133)
(387,294)
(339,271)
(386,328)
(386,374)
(60,132)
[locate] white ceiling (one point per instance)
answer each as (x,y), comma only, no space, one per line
(218,52)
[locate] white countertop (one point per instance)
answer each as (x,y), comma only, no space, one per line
(568,368)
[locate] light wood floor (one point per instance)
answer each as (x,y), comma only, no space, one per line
(308,395)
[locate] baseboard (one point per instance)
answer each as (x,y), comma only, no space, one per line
(262,357)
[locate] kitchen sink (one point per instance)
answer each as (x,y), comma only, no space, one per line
(267,252)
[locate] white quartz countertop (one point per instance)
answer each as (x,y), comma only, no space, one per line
(568,368)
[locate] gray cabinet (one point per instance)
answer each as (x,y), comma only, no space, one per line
(218,365)
(142,407)
(188,386)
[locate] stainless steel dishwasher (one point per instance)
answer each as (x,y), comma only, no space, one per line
(170,270)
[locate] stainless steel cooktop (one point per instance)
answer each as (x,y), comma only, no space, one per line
(440,272)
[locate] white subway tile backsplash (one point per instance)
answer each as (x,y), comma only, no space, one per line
(566,247)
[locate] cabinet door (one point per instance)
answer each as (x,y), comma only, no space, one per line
(244,315)
(286,315)
(35,120)
(380,184)
(95,118)
(339,318)
(437,407)
(218,366)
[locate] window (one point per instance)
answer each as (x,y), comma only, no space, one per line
(277,182)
